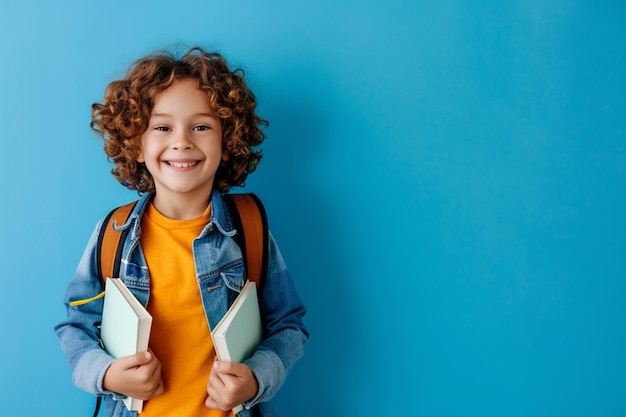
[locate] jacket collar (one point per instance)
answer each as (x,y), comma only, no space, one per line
(220,216)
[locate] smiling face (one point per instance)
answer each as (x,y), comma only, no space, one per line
(182,146)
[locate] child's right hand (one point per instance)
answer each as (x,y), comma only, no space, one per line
(137,376)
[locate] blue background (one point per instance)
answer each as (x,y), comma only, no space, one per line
(446,180)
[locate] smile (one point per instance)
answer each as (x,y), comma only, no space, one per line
(182,164)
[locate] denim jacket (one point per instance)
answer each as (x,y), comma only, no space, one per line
(219,274)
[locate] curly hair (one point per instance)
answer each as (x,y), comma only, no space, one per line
(122,118)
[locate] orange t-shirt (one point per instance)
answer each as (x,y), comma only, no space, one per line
(180,336)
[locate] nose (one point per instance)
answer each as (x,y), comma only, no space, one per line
(181,140)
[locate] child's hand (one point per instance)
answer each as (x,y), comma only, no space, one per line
(229,385)
(137,376)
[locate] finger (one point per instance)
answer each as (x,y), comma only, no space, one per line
(146,365)
(228,368)
(134,361)
(154,367)
(230,374)
(215,381)
(154,378)
(159,389)
(147,377)
(210,401)
(150,383)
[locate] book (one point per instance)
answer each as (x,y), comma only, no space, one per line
(125,328)
(239,332)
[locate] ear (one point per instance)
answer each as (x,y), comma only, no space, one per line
(140,158)
(225,155)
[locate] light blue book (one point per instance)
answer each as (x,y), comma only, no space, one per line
(125,328)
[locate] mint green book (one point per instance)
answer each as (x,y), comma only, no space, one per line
(125,328)
(239,332)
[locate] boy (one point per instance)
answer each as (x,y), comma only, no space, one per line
(181,132)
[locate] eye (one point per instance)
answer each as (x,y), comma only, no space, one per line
(202,128)
(162,128)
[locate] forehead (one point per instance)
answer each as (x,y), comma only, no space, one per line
(182,95)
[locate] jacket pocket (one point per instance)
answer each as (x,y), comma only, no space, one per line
(220,288)
(233,278)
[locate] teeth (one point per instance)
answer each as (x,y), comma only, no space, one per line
(182,164)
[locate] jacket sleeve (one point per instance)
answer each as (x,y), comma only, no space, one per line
(79,333)
(284,333)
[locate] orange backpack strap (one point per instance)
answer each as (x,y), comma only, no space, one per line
(252,233)
(111,242)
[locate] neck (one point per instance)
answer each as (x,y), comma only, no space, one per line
(181,208)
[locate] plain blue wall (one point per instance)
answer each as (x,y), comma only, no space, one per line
(446,180)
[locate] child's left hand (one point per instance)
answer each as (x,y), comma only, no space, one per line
(229,385)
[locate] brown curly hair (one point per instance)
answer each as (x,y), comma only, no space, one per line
(122,117)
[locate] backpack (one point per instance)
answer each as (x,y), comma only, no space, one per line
(250,221)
